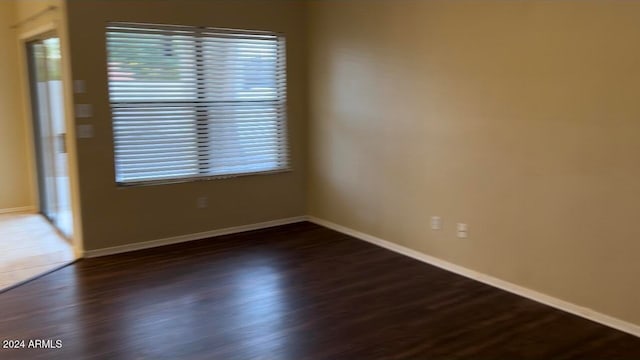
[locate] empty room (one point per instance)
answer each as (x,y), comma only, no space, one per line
(319,179)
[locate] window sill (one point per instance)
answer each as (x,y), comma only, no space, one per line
(131,184)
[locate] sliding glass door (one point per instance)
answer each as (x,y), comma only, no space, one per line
(50,132)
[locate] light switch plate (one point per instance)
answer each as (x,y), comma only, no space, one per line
(84,111)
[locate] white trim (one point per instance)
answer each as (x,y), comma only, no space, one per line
(23,209)
(563,305)
(27,35)
(190,237)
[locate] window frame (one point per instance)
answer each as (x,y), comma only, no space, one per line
(202,122)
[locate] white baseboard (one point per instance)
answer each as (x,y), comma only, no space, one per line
(566,306)
(18,210)
(190,237)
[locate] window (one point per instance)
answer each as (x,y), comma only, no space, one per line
(193,102)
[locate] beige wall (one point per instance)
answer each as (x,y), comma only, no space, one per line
(32,9)
(117,216)
(15,176)
(519,118)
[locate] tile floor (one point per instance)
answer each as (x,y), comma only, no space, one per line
(29,246)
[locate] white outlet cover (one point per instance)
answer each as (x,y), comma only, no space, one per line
(79,86)
(462,227)
(202,202)
(436,223)
(463,234)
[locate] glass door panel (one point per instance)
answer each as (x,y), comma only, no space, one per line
(50,132)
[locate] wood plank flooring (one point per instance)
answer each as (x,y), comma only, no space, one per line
(292,292)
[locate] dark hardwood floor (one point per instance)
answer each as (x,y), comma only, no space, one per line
(291,292)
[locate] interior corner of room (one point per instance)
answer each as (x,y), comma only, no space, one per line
(496,140)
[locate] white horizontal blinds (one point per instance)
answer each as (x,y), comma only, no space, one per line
(244,78)
(196,102)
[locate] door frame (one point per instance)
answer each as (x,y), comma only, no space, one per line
(39,33)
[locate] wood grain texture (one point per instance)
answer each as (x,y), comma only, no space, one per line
(292,292)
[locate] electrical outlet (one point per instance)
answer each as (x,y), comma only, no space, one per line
(202,202)
(463,230)
(79,87)
(436,223)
